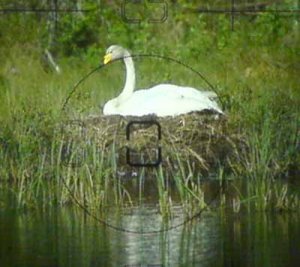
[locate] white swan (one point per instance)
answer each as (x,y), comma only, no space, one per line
(161,100)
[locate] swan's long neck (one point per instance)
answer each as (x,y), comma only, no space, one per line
(130,78)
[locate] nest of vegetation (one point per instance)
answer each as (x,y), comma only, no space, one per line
(198,142)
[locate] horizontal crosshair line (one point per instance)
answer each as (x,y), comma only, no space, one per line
(25,10)
(221,11)
(217,11)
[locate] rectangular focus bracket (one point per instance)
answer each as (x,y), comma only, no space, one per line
(148,123)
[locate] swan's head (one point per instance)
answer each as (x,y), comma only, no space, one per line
(114,52)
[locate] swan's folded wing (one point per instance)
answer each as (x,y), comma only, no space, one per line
(168,100)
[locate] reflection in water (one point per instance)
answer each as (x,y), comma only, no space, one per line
(67,237)
(191,244)
(261,239)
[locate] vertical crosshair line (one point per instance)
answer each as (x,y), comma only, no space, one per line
(232,15)
(55,16)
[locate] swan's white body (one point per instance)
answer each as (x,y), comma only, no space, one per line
(161,100)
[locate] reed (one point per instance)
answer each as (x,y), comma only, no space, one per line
(45,165)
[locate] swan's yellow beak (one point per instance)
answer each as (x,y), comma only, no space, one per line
(107,58)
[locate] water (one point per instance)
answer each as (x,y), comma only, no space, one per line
(70,237)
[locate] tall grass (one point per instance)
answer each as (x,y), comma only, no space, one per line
(255,75)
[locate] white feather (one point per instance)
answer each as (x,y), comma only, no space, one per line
(161,100)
